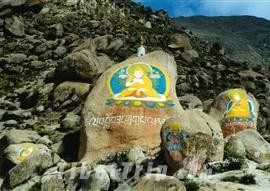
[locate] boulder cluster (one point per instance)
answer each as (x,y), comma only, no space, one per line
(56,61)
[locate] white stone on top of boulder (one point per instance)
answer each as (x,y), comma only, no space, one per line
(16,136)
(120,115)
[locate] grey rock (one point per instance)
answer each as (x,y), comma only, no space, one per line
(12,152)
(50,181)
(235,146)
(136,156)
(123,187)
(99,179)
(29,185)
(16,136)
(102,42)
(24,170)
(60,51)
(190,102)
(159,182)
(71,121)
(37,64)
(15,26)
(11,123)
(116,44)
(15,58)
(11,3)
(81,65)
(8,105)
(72,2)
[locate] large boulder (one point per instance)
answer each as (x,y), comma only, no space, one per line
(179,41)
(256,148)
(190,139)
(235,110)
(82,65)
(128,106)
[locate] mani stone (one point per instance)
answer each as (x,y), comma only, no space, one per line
(235,110)
(190,139)
(128,106)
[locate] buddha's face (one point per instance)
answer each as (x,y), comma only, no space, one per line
(237,97)
(138,74)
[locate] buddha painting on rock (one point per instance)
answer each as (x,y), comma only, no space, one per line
(139,85)
(139,82)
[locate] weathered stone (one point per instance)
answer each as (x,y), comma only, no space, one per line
(71,121)
(82,65)
(159,182)
(99,179)
(180,41)
(235,110)
(15,26)
(190,102)
(102,42)
(80,89)
(115,44)
(29,185)
(16,136)
(187,141)
(72,2)
(88,44)
(256,147)
(235,146)
(136,156)
(128,111)
(17,153)
(16,58)
(38,161)
(51,182)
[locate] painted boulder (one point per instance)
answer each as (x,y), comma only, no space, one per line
(128,106)
(236,110)
(190,139)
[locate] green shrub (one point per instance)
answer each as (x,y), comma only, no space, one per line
(191,185)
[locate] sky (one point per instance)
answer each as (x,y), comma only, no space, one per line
(175,8)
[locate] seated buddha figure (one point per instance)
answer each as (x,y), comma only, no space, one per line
(138,83)
(239,107)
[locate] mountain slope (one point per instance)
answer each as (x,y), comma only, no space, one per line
(245,38)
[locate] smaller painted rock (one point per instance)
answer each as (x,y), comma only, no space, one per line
(236,110)
(190,139)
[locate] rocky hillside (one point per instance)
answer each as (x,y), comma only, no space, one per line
(51,55)
(245,38)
